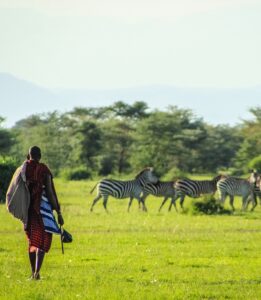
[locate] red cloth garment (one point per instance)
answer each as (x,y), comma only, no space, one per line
(35,176)
(36,235)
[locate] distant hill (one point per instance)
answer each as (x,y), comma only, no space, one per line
(20,98)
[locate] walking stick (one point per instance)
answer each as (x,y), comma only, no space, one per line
(61,229)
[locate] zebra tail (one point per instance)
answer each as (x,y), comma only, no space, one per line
(94,188)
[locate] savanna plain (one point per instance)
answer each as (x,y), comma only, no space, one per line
(136,255)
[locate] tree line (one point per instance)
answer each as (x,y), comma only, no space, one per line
(124,138)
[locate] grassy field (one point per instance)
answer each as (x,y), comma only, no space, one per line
(136,255)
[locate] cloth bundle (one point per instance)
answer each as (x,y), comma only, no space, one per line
(50,224)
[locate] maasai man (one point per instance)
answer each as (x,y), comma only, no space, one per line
(39,179)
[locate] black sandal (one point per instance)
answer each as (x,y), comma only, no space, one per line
(37,276)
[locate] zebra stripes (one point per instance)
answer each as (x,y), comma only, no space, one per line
(124,189)
(193,188)
(233,186)
(146,183)
(257,193)
(160,189)
(257,190)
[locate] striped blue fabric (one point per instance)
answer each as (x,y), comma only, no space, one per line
(50,224)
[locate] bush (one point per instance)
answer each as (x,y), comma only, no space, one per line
(107,165)
(7,169)
(79,173)
(209,206)
(255,163)
(174,174)
(230,172)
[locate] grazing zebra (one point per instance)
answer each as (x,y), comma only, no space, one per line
(193,188)
(257,189)
(233,186)
(124,189)
(160,189)
(257,193)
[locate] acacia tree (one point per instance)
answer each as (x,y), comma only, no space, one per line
(90,142)
(168,139)
(6,139)
(48,131)
(7,164)
(251,143)
(116,124)
(136,111)
(218,148)
(123,137)
(117,140)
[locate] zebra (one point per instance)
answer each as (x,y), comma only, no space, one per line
(124,189)
(193,188)
(160,189)
(232,186)
(257,193)
(257,189)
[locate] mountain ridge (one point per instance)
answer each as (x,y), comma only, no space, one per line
(215,105)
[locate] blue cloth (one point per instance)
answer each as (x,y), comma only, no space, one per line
(50,224)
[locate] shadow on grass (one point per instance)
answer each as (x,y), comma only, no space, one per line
(196,266)
(232,282)
(89,259)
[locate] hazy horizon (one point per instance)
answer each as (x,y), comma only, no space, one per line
(215,106)
(190,53)
(104,45)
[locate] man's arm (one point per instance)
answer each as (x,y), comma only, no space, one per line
(51,195)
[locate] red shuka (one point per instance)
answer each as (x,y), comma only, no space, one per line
(35,176)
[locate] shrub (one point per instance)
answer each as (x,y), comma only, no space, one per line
(255,163)
(174,174)
(107,165)
(79,173)
(208,206)
(7,169)
(230,172)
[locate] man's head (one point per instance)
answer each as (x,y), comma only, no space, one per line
(34,153)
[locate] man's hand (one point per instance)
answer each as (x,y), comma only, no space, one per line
(60,219)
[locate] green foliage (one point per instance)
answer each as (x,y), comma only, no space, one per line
(90,142)
(117,140)
(168,139)
(251,145)
(122,138)
(219,147)
(255,163)
(174,174)
(135,111)
(6,139)
(79,173)
(107,165)
(209,206)
(230,171)
(49,133)
(7,169)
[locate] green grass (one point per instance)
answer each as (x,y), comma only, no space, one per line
(136,255)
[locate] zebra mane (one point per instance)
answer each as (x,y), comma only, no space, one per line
(218,177)
(142,171)
(254,174)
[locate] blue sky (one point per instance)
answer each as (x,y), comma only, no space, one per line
(115,44)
